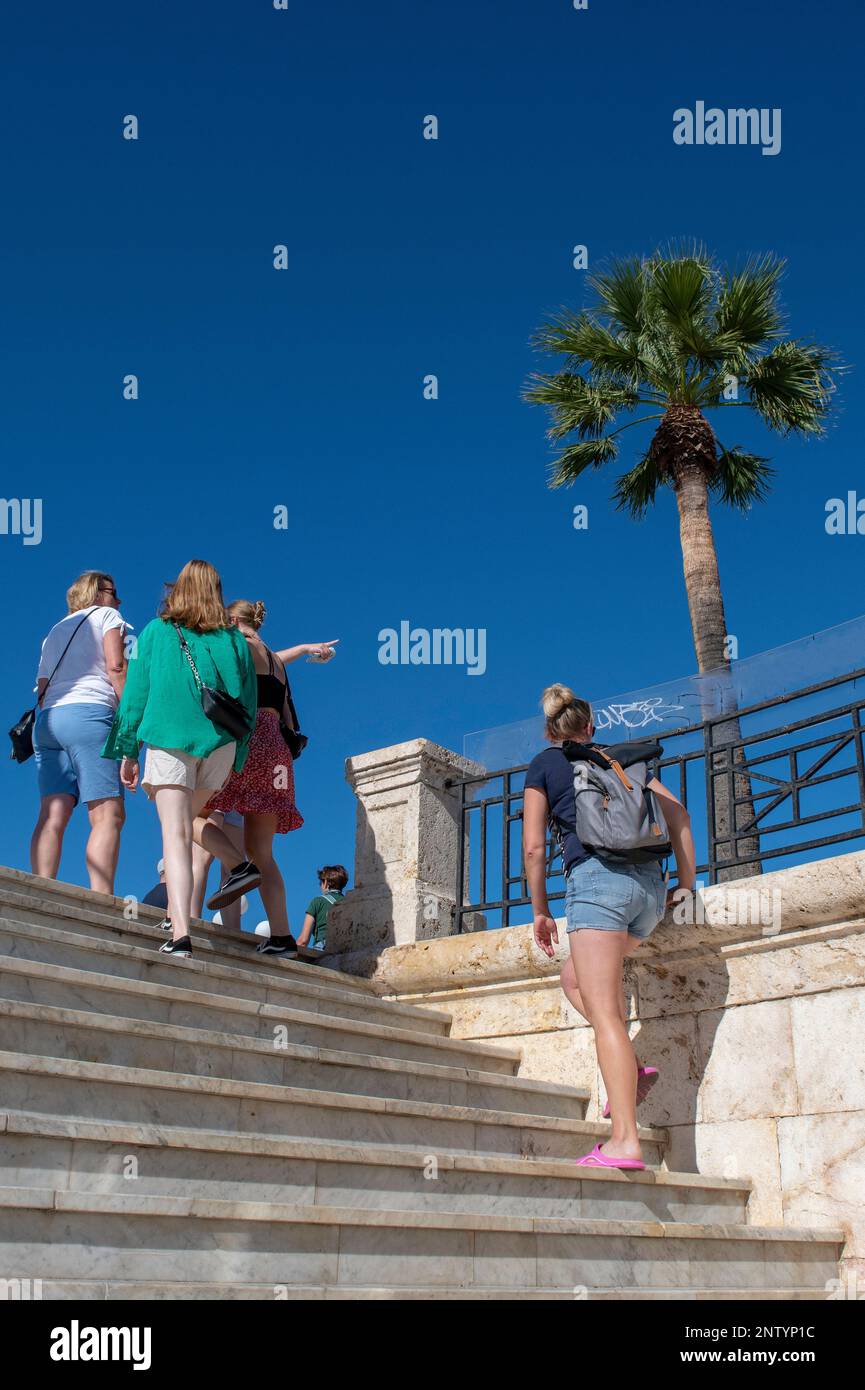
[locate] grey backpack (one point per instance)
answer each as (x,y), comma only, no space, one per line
(618,817)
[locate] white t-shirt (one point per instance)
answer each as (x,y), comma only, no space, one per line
(82,677)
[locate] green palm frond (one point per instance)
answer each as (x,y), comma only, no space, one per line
(792,386)
(621,295)
(587,407)
(742,478)
(747,311)
(573,461)
(680,295)
(582,339)
(635,491)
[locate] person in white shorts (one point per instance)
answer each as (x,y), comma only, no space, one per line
(188,649)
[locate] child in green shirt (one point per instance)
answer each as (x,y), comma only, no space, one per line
(332,880)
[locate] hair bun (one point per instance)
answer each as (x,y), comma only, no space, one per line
(555,699)
(259,613)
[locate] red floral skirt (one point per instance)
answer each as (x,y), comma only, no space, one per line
(265,786)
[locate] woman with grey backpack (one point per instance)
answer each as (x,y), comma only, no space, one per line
(615,825)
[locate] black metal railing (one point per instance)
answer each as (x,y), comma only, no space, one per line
(751,790)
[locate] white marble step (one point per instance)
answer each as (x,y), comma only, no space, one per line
(48,1031)
(108,1236)
(113,997)
(48,1151)
(100,1290)
(97,1091)
(54,945)
(100,915)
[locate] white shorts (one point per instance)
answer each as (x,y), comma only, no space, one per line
(171,767)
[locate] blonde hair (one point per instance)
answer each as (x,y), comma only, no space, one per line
(565,716)
(194,600)
(82,594)
(252,614)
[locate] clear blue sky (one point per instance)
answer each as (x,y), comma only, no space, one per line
(407,257)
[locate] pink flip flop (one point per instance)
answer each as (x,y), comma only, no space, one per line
(598,1160)
(646,1078)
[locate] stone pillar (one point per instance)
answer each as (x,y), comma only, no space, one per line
(406,849)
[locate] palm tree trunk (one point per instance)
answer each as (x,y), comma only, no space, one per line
(686,438)
(700,563)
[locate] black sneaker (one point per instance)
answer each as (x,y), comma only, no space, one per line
(181,947)
(277,946)
(242,879)
(165,924)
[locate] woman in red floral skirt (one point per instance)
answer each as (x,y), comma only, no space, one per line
(263,792)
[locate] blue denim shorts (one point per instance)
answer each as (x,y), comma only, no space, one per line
(67,743)
(605,896)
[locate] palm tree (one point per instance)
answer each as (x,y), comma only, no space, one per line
(676,336)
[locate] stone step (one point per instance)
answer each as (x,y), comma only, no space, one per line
(47,1031)
(101,915)
(116,1290)
(113,997)
(69,1154)
(53,945)
(74,1236)
(97,1091)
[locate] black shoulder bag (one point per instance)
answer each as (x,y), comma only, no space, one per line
(222,709)
(21,733)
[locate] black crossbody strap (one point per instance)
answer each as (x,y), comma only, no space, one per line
(62,654)
(188,654)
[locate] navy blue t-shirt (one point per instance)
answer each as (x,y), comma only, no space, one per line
(551,773)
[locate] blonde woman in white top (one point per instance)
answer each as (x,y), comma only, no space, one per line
(76,707)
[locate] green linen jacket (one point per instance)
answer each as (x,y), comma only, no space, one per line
(161,704)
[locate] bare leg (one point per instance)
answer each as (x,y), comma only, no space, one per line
(174,806)
(46,844)
(103,845)
(258,835)
(570,989)
(597,960)
(202,860)
(213,839)
(231,915)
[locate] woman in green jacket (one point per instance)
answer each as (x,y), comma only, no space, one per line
(188,757)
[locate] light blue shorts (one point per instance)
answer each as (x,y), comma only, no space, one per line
(605,896)
(67,743)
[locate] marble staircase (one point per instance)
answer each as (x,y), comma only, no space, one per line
(234,1127)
